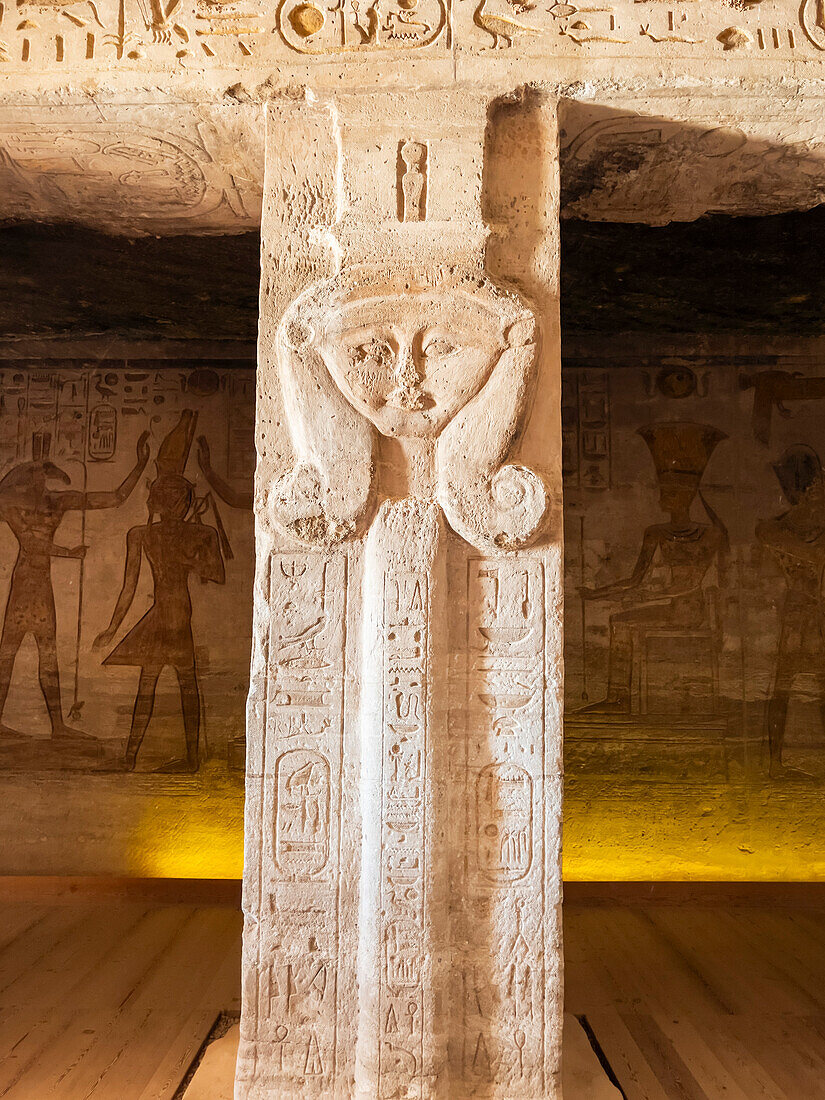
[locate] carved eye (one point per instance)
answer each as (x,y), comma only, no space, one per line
(375,351)
(440,348)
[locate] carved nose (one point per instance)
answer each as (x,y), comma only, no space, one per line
(407,373)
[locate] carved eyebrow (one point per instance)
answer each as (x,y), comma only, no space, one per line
(453,345)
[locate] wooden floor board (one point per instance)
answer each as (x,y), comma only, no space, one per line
(780,948)
(740,1063)
(107,999)
(707,1003)
(39,993)
(124,1017)
(33,946)
(152,1019)
(221,993)
(52,1047)
(18,920)
(138,1029)
(631,1068)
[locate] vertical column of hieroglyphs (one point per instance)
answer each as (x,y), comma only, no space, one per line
(403,784)
(304,730)
(412,243)
(295,713)
(503,998)
(505,693)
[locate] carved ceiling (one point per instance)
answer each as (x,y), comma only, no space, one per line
(133,171)
(185,169)
(635,166)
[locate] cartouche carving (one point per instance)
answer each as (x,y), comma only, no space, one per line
(360,25)
(290,1007)
(505,776)
(446,361)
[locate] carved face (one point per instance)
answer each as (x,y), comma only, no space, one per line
(410,362)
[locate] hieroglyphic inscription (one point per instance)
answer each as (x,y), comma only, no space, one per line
(249,36)
(586,430)
(360,25)
(503,1014)
(304,717)
(648,26)
(100,33)
(404,853)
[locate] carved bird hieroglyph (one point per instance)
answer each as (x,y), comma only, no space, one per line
(500,26)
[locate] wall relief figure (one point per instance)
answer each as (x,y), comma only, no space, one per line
(771,389)
(442,363)
(796,538)
(687,548)
(235,498)
(33,507)
(176,544)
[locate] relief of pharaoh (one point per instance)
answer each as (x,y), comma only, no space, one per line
(685,547)
(424,379)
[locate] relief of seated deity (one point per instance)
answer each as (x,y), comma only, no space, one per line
(686,547)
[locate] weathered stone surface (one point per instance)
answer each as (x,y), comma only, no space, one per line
(403,778)
(194,37)
(150,168)
(402,883)
(116,656)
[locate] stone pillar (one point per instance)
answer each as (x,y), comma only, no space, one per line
(402,882)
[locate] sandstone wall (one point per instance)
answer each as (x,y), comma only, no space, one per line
(668,768)
(680,790)
(70,434)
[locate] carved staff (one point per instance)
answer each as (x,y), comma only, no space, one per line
(77,703)
(585,695)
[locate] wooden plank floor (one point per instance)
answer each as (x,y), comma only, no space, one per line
(110,1000)
(702,1003)
(103,999)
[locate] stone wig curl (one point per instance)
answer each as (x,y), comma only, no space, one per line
(328,494)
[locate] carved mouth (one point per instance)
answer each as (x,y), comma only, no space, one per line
(409,398)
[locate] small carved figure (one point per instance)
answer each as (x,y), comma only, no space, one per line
(797,540)
(680,453)
(368,33)
(414,181)
(176,545)
(502,28)
(158,20)
(443,366)
(302,812)
(34,511)
(404,24)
